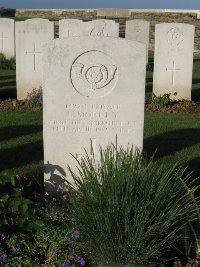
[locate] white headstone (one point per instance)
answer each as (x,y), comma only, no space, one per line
(92,93)
(75,27)
(138,30)
(30,35)
(7,37)
(173,60)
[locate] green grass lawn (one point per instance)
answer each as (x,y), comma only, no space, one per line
(7,84)
(174,137)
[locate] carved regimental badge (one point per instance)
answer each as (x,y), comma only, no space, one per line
(94,74)
(175,37)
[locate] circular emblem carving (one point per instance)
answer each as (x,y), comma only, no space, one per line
(94,74)
(175,37)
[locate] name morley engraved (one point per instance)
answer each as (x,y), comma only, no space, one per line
(99,118)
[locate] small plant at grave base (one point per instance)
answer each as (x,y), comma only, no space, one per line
(163,100)
(34,98)
(130,212)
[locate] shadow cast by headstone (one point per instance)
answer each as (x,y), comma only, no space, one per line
(21,155)
(196,95)
(8,77)
(170,142)
(194,167)
(57,177)
(9,93)
(7,83)
(195,80)
(196,60)
(10,132)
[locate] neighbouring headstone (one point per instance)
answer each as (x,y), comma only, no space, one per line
(173,60)
(7,37)
(138,30)
(92,93)
(30,35)
(75,27)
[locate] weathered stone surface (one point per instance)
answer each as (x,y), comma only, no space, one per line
(74,27)
(138,30)
(173,60)
(30,35)
(7,37)
(92,93)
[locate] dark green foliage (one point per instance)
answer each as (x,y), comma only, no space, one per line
(163,100)
(130,211)
(7,12)
(7,64)
(34,230)
(15,208)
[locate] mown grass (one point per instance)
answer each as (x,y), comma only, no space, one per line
(174,137)
(7,84)
(21,145)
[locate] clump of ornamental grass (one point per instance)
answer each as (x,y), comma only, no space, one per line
(130,211)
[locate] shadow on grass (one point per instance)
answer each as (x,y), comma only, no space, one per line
(194,167)
(149,87)
(194,81)
(196,95)
(170,142)
(9,93)
(21,155)
(18,131)
(7,83)
(7,77)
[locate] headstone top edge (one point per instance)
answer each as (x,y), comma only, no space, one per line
(174,24)
(93,38)
(6,20)
(138,20)
(34,20)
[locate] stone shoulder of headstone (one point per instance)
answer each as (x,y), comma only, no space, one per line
(173,60)
(35,24)
(92,93)
(7,37)
(7,21)
(175,24)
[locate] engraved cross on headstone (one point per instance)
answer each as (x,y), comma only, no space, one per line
(2,40)
(92,149)
(173,70)
(34,52)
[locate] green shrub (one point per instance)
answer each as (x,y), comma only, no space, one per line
(7,12)
(130,212)
(7,64)
(163,100)
(35,230)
